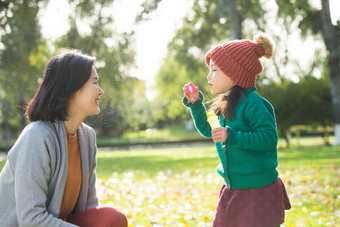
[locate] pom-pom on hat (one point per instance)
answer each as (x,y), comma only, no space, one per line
(239,59)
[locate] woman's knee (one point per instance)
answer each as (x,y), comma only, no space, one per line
(115,217)
(124,220)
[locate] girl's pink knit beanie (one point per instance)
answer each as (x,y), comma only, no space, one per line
(239,59)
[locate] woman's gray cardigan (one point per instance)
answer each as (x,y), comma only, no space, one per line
(33,179)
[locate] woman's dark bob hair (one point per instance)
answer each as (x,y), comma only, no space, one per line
(63,76)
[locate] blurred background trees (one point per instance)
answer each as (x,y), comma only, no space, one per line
(314,21)
(22,47)
(302,92)
(24,54)
(214,21)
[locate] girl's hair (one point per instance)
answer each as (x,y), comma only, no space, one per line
(63,76)
(225,103)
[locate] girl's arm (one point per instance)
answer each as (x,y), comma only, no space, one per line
(198,114)
(263,134)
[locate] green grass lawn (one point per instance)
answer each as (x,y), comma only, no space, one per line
(180,186)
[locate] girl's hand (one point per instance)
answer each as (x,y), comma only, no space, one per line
(220,134)
(192,97)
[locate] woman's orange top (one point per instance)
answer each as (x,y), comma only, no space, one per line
(73,181)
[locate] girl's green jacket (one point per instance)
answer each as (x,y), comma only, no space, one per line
(248,158)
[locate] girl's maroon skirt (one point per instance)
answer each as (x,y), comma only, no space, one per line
(253,207)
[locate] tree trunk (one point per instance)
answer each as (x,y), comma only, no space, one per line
(7,135)
(326,136)
(287,136)
(23,121)
(330,40)
(6,112)
(237,20)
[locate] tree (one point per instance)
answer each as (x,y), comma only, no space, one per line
(318,21)
(209,22)
(19,67)
(124,101)
(24,53)
(299,104)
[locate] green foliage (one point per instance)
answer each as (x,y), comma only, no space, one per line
(170,97)
(304,12)
(19,64)
(4,5)
(305,103)
(210,22)
(171,78)
(147,8)
(25,53)
(318,21)
(124,101)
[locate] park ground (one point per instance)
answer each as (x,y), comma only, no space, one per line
(178,186)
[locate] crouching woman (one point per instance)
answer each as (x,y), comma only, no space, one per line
(49,178)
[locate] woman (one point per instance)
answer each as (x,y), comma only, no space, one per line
(49,177)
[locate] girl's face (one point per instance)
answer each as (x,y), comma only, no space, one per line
(86,100)
(219,83)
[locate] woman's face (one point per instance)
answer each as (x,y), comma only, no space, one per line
(219,83)
(86,100)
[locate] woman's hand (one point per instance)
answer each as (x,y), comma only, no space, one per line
(220,134)
(191,96)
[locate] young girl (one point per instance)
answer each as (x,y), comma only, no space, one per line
(246,142)
(49,177)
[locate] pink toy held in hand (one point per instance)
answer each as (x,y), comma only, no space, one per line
(191,88)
